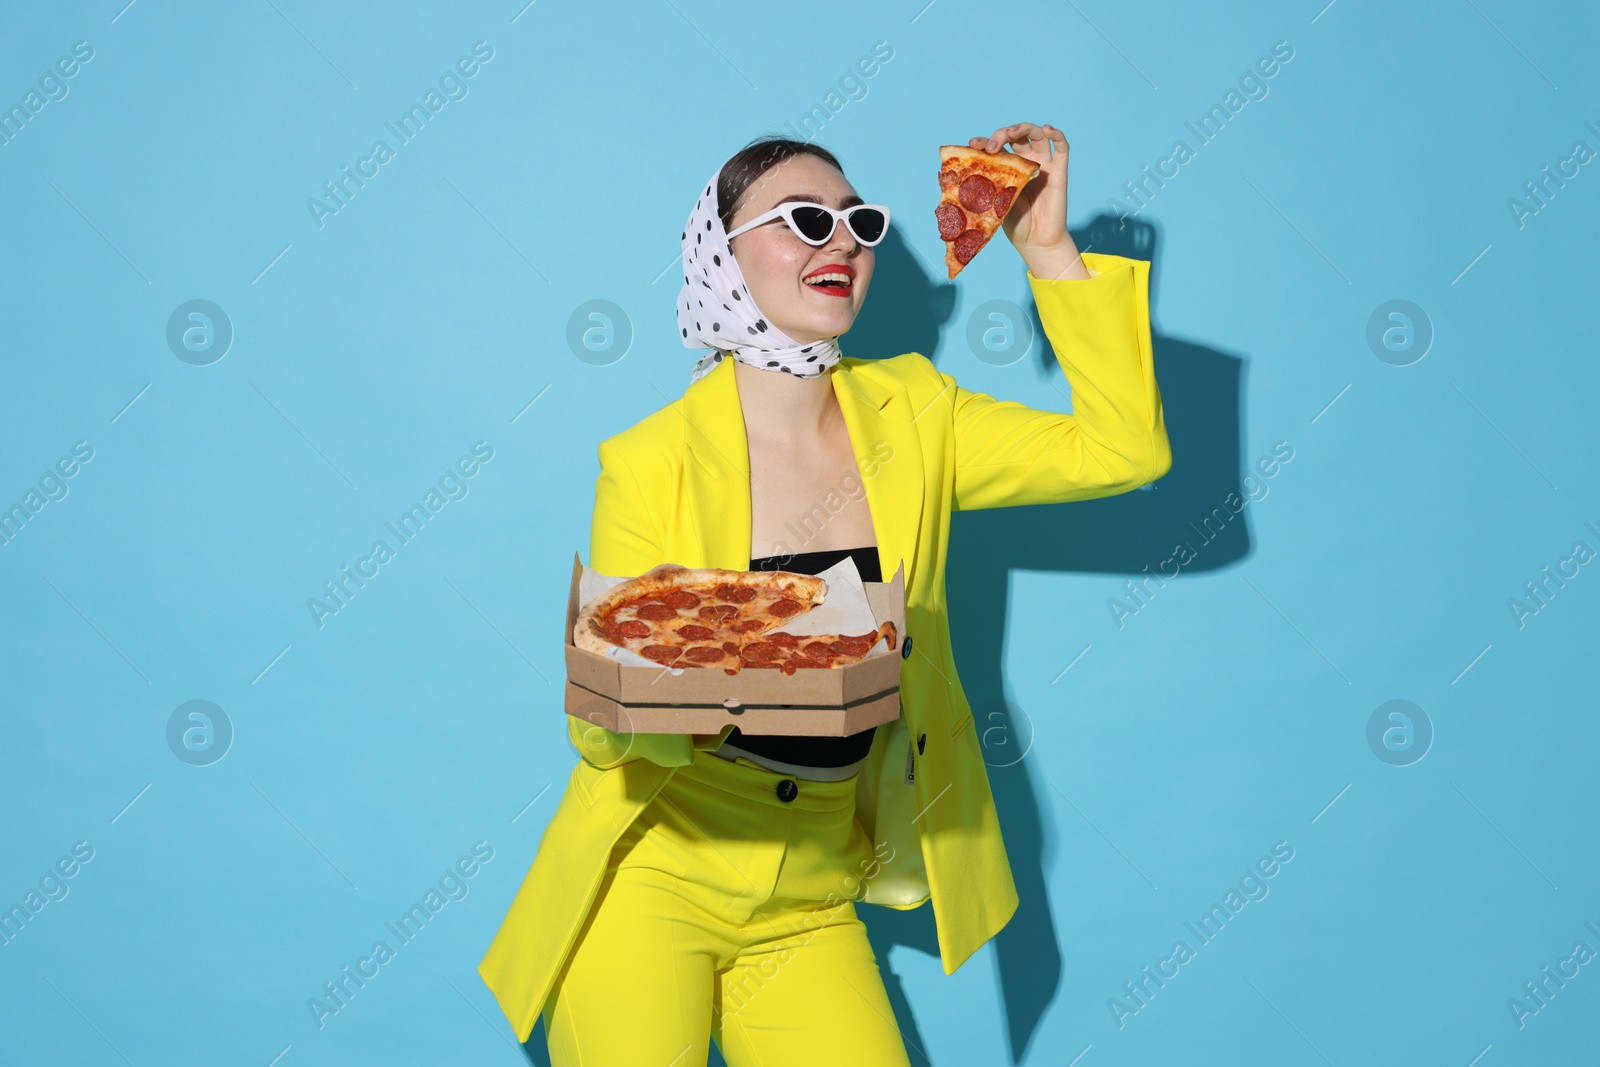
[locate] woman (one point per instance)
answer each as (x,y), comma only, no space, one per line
(697,888)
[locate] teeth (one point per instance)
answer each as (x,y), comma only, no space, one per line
(842,279)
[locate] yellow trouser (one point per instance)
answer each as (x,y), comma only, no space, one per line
(725,915)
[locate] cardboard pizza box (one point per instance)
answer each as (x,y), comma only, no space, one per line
(834,702)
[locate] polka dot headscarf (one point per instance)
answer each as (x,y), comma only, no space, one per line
(715,309)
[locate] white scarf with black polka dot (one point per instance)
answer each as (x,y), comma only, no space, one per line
(715,309)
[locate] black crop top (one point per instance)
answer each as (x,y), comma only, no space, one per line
(813,751)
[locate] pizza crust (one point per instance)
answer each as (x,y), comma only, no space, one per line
(1018,169)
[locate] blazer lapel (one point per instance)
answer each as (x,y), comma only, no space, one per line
(889,455)
(712,525)
(713,505)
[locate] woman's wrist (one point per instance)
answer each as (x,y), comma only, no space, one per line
(1059,261)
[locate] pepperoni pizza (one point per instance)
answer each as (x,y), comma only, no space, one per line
(709,617)
(976,189)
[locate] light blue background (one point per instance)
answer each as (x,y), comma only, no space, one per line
(1228,714)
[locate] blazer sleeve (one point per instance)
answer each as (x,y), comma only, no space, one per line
(624,542)
(1007,453)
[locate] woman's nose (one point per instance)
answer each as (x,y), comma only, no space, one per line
(842,238)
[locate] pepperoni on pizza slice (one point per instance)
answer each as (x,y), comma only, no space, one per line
(790,652)
(666,627)
(976,189)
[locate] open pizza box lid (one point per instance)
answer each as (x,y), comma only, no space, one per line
(833,702)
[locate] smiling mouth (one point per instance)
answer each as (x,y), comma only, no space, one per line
(829,282)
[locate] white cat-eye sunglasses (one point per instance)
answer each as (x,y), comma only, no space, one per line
(814,223)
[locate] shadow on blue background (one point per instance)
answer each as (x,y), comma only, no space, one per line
(1123,534)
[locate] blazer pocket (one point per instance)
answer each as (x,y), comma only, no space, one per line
(964,723)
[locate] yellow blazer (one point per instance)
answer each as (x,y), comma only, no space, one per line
(675,487)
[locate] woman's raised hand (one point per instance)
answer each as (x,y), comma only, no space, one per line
(1037,222)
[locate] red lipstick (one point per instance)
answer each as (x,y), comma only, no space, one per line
(838,277)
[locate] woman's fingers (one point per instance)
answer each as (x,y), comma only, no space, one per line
(1029,138)
(1018,133)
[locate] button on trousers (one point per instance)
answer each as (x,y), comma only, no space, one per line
(726,915)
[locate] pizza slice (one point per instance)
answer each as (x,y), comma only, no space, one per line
(976,189)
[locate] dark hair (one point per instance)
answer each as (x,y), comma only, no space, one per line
(748,164)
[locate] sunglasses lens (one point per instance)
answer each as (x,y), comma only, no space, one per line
(813,223)
(868,224)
